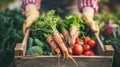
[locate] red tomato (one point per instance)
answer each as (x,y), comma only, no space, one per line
(92,43)
(86,47)
(79,41)
(77,49)
(86,39)
(89,53)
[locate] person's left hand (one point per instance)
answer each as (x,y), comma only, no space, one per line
(31,15)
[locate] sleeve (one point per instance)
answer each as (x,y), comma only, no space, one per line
(88,3)
(37,3)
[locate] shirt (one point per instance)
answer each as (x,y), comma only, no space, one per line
(81,4)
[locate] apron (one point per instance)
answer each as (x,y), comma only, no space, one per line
(61,7)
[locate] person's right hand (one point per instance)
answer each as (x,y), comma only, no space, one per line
(90,22)
(31,15)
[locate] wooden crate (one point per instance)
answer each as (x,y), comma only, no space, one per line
(104,58)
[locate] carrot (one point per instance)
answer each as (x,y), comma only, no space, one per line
(53,51)
(53,45)
(68,41)
(60,43)
(61,35)
(74,37)
(70,50)
(73,30)
(62,46)
(67,38)
(65,33)
(76,34)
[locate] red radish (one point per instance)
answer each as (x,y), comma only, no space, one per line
(109,28)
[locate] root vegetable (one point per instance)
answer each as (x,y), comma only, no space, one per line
(53,45)
(61,35)
(70,50)
(75,36)
(65,33)
(73,30)
(62,46)
(68,41)
(60,42)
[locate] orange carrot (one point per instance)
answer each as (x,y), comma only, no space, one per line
(76,34)
(60,43)
(70,50)
(53,45)
(73,30)
(68,41)
(62,46)
(65,33)
(61,35)
(74,37)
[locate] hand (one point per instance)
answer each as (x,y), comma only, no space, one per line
(90,22)
(31,15)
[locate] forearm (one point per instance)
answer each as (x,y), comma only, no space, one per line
(27,4)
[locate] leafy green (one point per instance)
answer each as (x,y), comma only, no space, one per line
(10,33)
(45,25)
(10,28)
(69,21)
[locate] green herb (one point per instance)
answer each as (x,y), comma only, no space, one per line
(45,25)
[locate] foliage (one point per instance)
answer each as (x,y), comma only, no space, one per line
(10,33)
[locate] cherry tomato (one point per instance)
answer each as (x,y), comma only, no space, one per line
(86,47)
(79,41)
(86,39)
(92,43)
(89,53)
(77,49)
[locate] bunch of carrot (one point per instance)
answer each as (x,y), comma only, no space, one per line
(72,24)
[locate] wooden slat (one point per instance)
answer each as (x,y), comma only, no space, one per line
(109,51)
(53,61)
(20,48)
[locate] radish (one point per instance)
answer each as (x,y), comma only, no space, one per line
(109,28)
